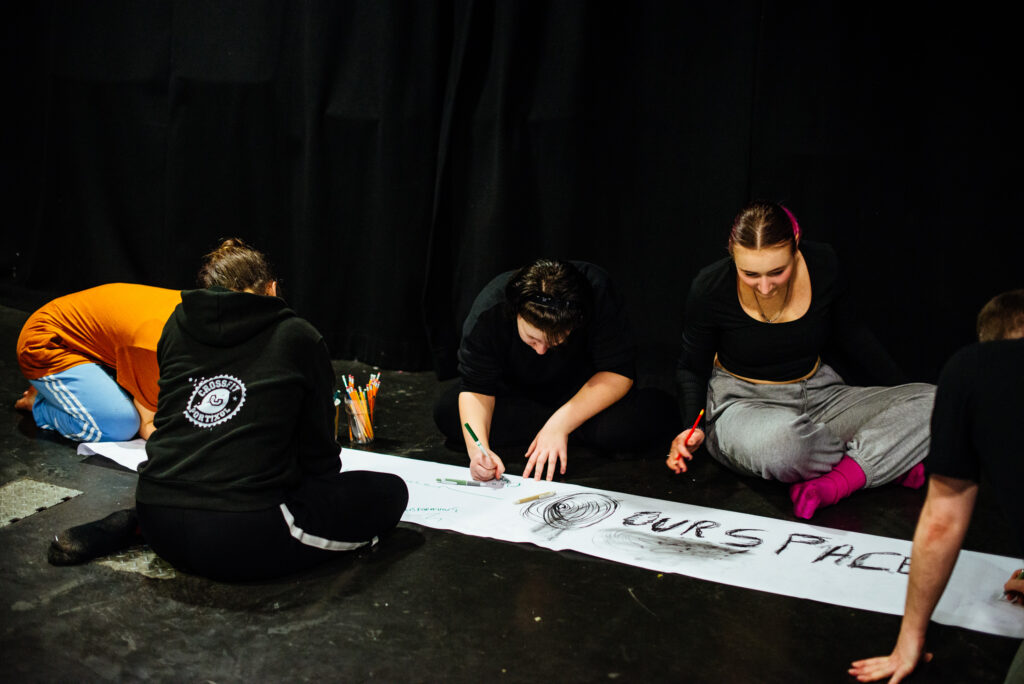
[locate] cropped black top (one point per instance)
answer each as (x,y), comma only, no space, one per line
(716,323)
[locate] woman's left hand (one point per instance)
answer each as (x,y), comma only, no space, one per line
(550,446)
(1014,588)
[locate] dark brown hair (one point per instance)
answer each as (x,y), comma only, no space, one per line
(236,266)
(764,224)
(1002,318)
(551,295)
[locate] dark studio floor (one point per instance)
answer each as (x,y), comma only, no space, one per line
(428,605)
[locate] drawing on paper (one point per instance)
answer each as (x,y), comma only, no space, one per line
(432,513)
(640,543)
(572,511)
(844,568)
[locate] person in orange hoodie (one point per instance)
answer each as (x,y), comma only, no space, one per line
(90,358)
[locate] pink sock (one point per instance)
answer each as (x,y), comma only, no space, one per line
(846,477)
(913,478)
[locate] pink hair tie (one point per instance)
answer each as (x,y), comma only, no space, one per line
(792,219)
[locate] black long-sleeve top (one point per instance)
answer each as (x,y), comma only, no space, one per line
(716,323)
(494,360)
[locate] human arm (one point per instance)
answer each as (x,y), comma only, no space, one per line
(700,342)
(550,446)
(146,417)
(315,438)
(477,410)
(605,348)
(483,358)
(937,539)
(137,368)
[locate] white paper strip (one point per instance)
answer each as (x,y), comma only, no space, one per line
(128,454)
(789,558)
(794,559)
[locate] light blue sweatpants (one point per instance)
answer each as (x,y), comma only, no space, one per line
(85,404)
(799,431)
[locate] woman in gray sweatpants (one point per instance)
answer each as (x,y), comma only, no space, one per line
(757,325)
(798,431)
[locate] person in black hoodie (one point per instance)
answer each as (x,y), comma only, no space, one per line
(242,480)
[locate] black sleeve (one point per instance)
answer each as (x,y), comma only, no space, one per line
(317,449)
(952,451)
(611,341)
(857,347)
(700,342)
(479,358)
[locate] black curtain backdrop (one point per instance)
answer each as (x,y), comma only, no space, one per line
(391,157)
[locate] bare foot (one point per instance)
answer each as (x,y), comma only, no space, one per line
(28,398)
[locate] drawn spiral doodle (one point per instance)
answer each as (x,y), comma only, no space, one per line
(572,511)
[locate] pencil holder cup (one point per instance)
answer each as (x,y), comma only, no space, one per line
(360,422)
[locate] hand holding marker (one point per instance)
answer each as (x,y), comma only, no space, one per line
(487,462)
(675,461)
(485,456)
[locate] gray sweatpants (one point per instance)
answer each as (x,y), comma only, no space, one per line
(800,431)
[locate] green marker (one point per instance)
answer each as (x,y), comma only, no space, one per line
(452,480)
(476,440)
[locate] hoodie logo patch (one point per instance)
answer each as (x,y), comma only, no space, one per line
(215,400)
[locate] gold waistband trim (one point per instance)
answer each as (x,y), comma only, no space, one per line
(817,364)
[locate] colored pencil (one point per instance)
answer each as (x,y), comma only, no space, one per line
(542,495)
(695,423)
(359,404)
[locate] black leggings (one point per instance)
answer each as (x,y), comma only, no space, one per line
(330,513)
(642,418)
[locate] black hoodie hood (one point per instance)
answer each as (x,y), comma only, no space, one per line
(219,317)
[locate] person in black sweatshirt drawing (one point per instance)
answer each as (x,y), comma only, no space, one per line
(242,480)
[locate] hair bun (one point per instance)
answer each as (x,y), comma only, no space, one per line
(237,266)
